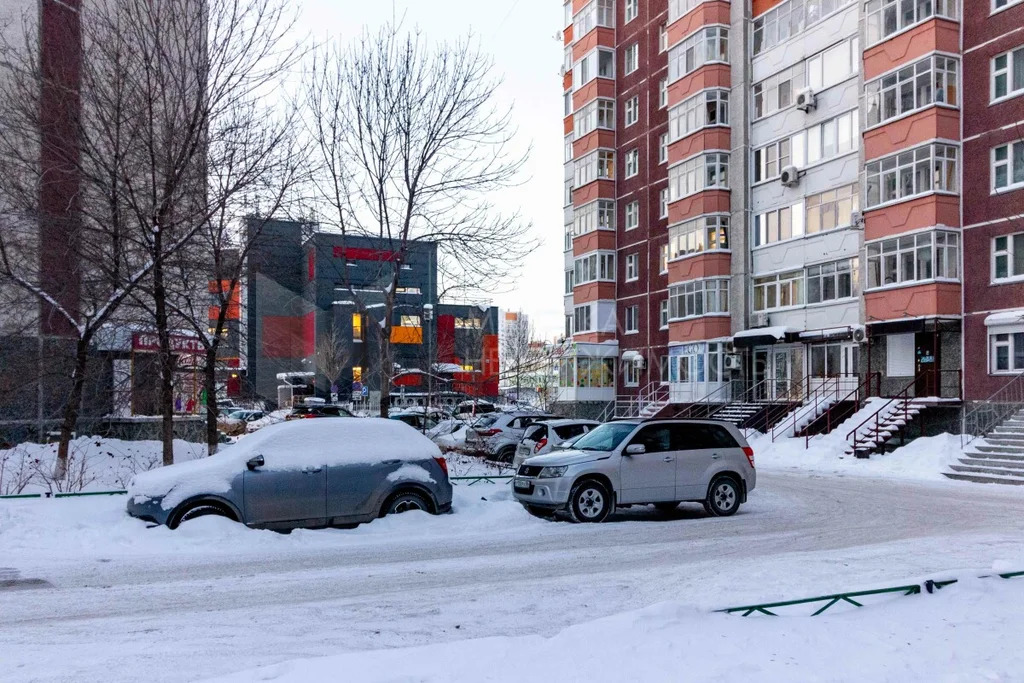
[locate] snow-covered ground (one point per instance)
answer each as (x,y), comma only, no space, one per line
(120,601)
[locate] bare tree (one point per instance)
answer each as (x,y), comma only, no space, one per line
(522,356)
(166,91)
(410,148)
(332,354)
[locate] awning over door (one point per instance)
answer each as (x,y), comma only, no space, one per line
(763,335)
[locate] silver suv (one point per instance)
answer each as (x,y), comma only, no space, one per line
(638,462)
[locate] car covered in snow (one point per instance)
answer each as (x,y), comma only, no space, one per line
(641,462)
(317,410)
(547,436)
(305,473)
(237,421)
(497,435)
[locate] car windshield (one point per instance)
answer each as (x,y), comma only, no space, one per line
(535,433)
(486,421)
(606,437)
(237,414)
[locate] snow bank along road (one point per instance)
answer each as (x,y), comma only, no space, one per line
(131,603)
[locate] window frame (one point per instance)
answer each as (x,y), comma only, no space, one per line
(631,58)
(832,272)
(630,10)
(695,111)
(631,319)
(698,298)
(632,211)
(699,169)
(631,111)
(1008,253)
(691,53)
(701,229)
(1010,71)
(794,280)
(632,267)
(942,253)
(896,165)
(875,18)
(893,83)
(632,163)
(1013,156)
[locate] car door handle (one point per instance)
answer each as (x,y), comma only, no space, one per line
(715,456)
(391,462)
(312,470)
(668,458)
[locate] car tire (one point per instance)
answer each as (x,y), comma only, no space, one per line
(590,501)
(543,513)
(723,497)
(406,502)
(666,507)
(202,510)
(506,455)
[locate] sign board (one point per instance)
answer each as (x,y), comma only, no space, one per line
(149,341)
(357,387)
(365,391)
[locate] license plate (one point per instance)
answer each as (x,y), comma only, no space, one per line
(524,450)
(523,485)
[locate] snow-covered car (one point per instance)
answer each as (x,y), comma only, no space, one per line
(306,473)
(498,434)
(547,436)
(236,421)
(317,410)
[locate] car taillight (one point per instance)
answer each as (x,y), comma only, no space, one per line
(489,432)
(749,452)
(443,463)
(540,445)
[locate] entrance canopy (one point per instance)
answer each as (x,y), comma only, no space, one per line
(764,335)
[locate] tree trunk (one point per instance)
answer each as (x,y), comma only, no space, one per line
(210,384)
(166,359)
(73,407)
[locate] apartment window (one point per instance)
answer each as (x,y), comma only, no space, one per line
(599,164)
(778,225)
(663,259)
(1008,74)
(1007,352)
(568,238)
(567,103)
(471,323)
(705,172)
(357,373)
(632,58)
(707,108)
(662,38)
(358,333)
(709,44)
(632,267)
(678,8)
(929,81)
(778,91)
(568,149)
(771,159)
(831,281)
(698,297)
(886,17)
(1008,166)
(784,21)
(826,140)
(598,215)
(1000,4)
(663,93)
(663,203)
(663,148)
(568,330)
(631,10)
(663,370)
(568,282)
(632,110)
(1008,256)
(632,162)
(567,59)
(595,13)
(581,319)
(913,258)
(597,114)
(581,371)
(706,233)
(632,215)
(930,168)
(833,65)
(632,375)
(599,63)
(663,313)
(593,267)
(632,319)
(831,209)
(409,321)
(779,291)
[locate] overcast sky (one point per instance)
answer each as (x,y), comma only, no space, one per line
(520,35)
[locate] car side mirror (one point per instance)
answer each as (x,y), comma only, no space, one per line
(255,462)
(636,449)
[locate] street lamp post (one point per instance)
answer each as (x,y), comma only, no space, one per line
(428,316)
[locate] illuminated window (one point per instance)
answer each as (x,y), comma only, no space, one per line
(357,327)
(357,374)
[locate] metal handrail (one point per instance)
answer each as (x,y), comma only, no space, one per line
(813,400)
(993,411)
(853,395)
(707,401)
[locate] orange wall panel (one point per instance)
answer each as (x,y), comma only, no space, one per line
(567,81)
(601,35)
(923,212)
(708,201)
(599,189)
(567,36)
(936,34)
(567,125)
(936,298)
(709,76)
(593,291)
(593,337)
(703,265)
(704,14)
(406,335)
(699,328)
(762,6)
(597,87)
(707,138)
(910,131)
(593,140)
(592,241)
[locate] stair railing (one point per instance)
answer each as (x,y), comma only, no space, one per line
(904,396)
(720,396)
(993,411)
(809,407)
(859,395)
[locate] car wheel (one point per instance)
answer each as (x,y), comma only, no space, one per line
(506,455)
(406,502)
(723,497)
(202,510)
(544,513)
(666,507)
(590,501)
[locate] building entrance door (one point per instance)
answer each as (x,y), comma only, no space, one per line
(926,364)
(772,374)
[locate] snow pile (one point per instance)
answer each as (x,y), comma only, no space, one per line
(411,472)
(452,440)
(94,464)
(287,446)
(269,419)
(960,633)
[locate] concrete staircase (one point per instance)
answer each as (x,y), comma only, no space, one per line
(871,436)
(998,458)
(737,413)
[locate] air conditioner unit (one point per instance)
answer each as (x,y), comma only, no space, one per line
(805,100)
(733,362)
(759,320)
(860,334)
(856,219)
(790,176)
(638,362)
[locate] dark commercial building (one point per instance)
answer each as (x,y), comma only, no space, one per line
(304,285)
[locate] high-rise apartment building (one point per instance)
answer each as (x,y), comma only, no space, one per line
(764,198)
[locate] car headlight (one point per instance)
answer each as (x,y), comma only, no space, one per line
(552,472)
